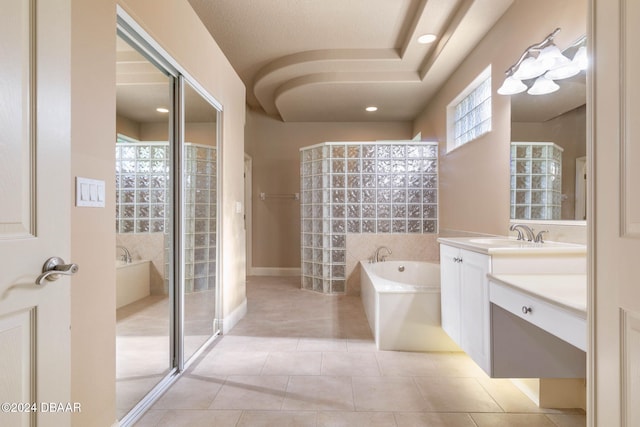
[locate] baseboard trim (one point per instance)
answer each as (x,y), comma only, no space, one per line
(234,317)
(273,271)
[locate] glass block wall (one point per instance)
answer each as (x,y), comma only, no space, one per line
(383,187)
(142,180)
(143,191)
(200,216)
(536,180)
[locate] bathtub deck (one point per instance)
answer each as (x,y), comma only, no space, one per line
(404,317)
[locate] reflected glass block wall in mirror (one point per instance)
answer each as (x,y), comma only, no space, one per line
(142,180)
(143,203)
(536,180)
(383,187)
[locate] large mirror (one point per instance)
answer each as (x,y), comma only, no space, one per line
(162,321)
(143,218)
(548,152)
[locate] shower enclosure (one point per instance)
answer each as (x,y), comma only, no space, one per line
(361,187)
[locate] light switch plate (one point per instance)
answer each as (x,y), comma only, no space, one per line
(90,192)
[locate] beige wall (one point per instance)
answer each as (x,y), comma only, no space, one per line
(93,305)
(127,127)
(174,25)
(474,179)
(274,147)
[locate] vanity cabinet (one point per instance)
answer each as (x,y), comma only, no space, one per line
(537,329)
(517,309)
(464,291)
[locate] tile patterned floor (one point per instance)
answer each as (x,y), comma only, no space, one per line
(142,342)
(302,359)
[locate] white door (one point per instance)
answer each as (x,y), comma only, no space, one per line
(34,213)
(615,217)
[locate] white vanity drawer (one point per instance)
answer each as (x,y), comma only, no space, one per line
(556,320)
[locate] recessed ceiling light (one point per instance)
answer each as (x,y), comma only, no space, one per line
(371,109)
(162,110)
(426,38)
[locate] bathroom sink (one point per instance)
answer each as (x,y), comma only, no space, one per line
(512,246)
(499,241)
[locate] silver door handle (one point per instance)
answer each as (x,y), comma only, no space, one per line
(55,267)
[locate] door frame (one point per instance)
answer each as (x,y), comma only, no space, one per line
(248,208)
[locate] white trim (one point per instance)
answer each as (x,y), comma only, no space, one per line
(580,208)
(274,271)
(234,317)
(629,129)
(592,410)
(248,209)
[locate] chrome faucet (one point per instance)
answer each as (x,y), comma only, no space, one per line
(377,257)
(522,229)
(127,255)
(538,238)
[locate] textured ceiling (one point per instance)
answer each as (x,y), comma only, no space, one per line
(325,60)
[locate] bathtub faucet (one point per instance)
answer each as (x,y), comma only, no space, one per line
(378,257)
(127,255)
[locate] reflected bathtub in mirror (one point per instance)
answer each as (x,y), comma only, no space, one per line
(132,281)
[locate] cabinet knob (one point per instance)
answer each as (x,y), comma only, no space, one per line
(457,259)
(526,310)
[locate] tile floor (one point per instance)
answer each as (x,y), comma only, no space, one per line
(303,359)
(142,342)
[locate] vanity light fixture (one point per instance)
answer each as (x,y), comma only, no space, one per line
(162,110)
(580,59)
(511,86)
(427,38)
(542,86)
(371,108)
(544,62)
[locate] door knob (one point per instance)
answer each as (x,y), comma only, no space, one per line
(55,267)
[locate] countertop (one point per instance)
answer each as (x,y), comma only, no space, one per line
(504,245)
(566,290)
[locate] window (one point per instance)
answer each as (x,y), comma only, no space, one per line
(469,114)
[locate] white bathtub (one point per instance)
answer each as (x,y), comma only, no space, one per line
(132,281)
(403,307)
